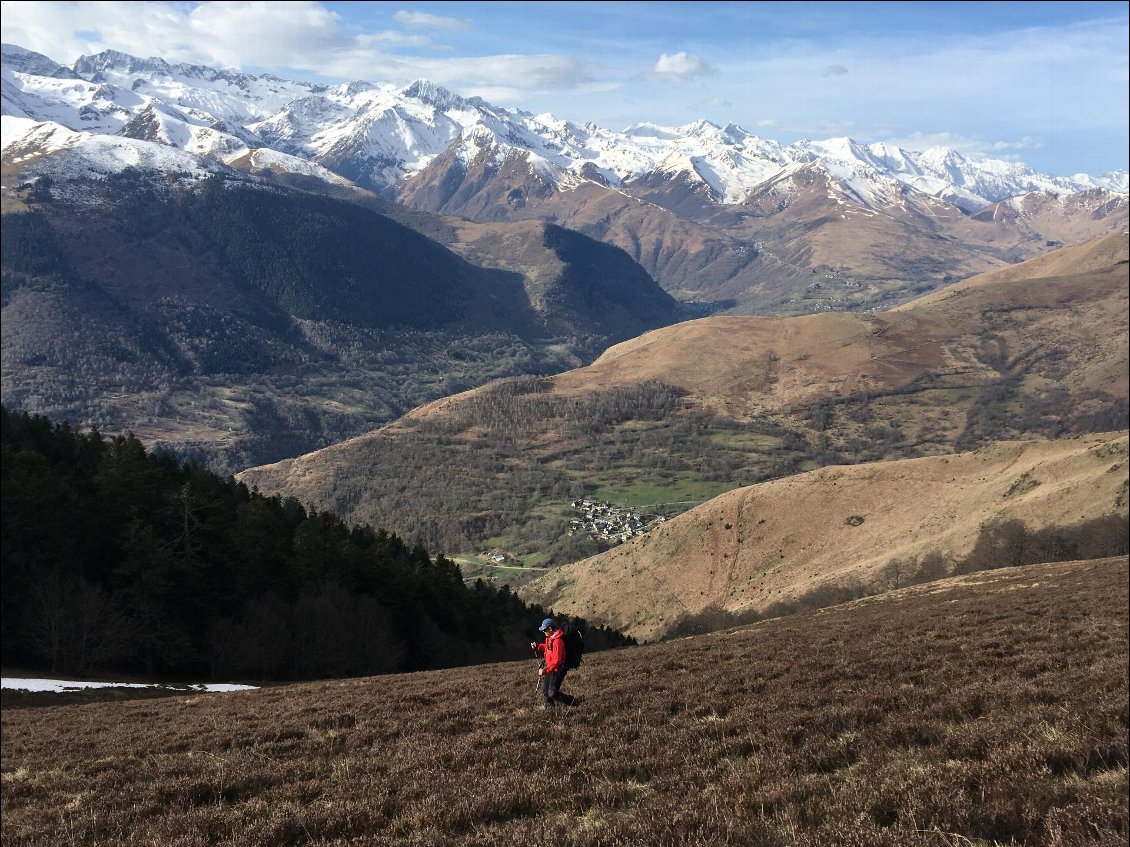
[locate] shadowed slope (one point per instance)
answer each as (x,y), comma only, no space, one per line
(239,322)
(687,411)
(1073,301)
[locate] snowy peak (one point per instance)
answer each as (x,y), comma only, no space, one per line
(969,183)
(380,134)
(434,95)
(18,60)
(700,129)
(1116,181)
(842,150)
(91,67)
(47,148)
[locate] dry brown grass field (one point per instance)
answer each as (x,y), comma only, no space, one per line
(989,709)
(773,542)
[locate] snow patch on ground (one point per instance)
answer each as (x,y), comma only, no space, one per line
(58,686)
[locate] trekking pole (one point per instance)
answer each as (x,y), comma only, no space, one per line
(537,684)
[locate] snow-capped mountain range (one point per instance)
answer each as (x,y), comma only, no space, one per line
(378,135)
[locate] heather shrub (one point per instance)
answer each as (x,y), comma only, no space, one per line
(990,710)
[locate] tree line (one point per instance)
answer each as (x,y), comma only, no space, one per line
(503,464)
(117,558)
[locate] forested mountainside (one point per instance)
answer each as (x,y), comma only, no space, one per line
(239,322)
(678,415)
(119,559)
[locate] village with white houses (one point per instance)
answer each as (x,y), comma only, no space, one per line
(614,524)
(603,521)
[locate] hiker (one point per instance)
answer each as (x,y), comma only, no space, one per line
(553,669)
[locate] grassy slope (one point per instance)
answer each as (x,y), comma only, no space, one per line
(778,540)
(1016,358)
(1073,302)
(1095,255)
(987,709)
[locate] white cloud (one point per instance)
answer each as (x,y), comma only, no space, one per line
(526,72)
(1025,143)
(265,34)
(227,33)
(302,36)
(398,39)
(681,65)
(499,95)
(1049,87)
(976,147)
(422,20)
(599,87)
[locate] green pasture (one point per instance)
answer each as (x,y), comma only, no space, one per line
(682,489)
(746,441)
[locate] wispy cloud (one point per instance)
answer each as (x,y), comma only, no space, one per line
(835,70)
(423,20)
(963,144)
(516,71)
(395,38)
(1026,143)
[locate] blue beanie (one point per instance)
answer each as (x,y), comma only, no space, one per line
(547,623)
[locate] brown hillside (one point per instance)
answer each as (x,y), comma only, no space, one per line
(1028,225)
(739,365)
(745,364)
(1089,257)
(680,414)
(987,710)
(742,365)
(775,541)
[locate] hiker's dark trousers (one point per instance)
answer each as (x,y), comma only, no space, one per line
(551,693)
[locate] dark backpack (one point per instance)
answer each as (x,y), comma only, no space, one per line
(574,646)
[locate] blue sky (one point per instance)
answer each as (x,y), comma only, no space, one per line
(1045,83)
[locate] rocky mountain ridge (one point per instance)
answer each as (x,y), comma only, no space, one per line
(715,213)
(236,321)
(388,132)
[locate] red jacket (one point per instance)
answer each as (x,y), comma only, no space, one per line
(554,649)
